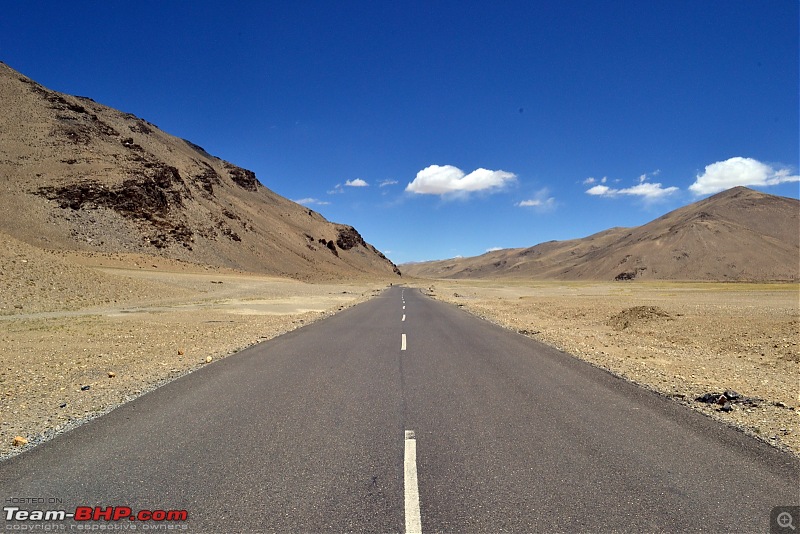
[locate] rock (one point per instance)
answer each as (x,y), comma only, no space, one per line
(180,352)
(727,407)
(729,397)
(85,388)
(242,177)
(19,441)
(208,359)
(332,247)
(708,398)
(111,374)
(749,401)
(151,197)
(62,405)
(348,238)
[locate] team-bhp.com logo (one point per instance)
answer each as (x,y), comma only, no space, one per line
(95,514)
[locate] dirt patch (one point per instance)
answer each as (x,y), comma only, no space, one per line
(637,315)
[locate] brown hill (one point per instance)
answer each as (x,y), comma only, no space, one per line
(738,234)
(77,175)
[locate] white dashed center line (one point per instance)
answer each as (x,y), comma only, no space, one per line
(403,342)
(404,317)
(413,520)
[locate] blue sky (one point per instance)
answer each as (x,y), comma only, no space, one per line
(440,129)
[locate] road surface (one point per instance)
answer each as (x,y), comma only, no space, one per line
(405,414)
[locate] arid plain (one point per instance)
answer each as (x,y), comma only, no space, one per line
(82,333)
(142,321)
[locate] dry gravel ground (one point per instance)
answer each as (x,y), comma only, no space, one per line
(680,339)
(82,333)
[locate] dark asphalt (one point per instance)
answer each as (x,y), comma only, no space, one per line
(304,433)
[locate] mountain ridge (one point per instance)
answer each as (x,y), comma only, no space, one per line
(736,235)
(78,175)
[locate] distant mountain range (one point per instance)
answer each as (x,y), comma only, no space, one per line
(738,234)
(77,175)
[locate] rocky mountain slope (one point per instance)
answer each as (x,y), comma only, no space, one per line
(738,234)
(77,175)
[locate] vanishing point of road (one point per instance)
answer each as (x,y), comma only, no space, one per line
(405,414)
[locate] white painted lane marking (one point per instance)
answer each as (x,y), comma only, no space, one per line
(413,519)
(404,307)
(403,342)
(404,317)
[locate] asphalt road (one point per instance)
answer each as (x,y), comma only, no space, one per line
(309,432)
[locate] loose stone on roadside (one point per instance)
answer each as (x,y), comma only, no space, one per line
(727,399)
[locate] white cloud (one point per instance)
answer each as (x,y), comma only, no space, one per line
(739,171)
(493,249)
(598,190)
(590,180)
(310,201)
(446,179)
(644,189)
(541,201)
(644,177)
(534,202)
(384,183)
(336,190)
(358,182)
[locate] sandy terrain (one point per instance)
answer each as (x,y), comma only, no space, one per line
(680,339)
(82,333)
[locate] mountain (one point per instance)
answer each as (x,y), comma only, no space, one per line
(78,175)
(738,234)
